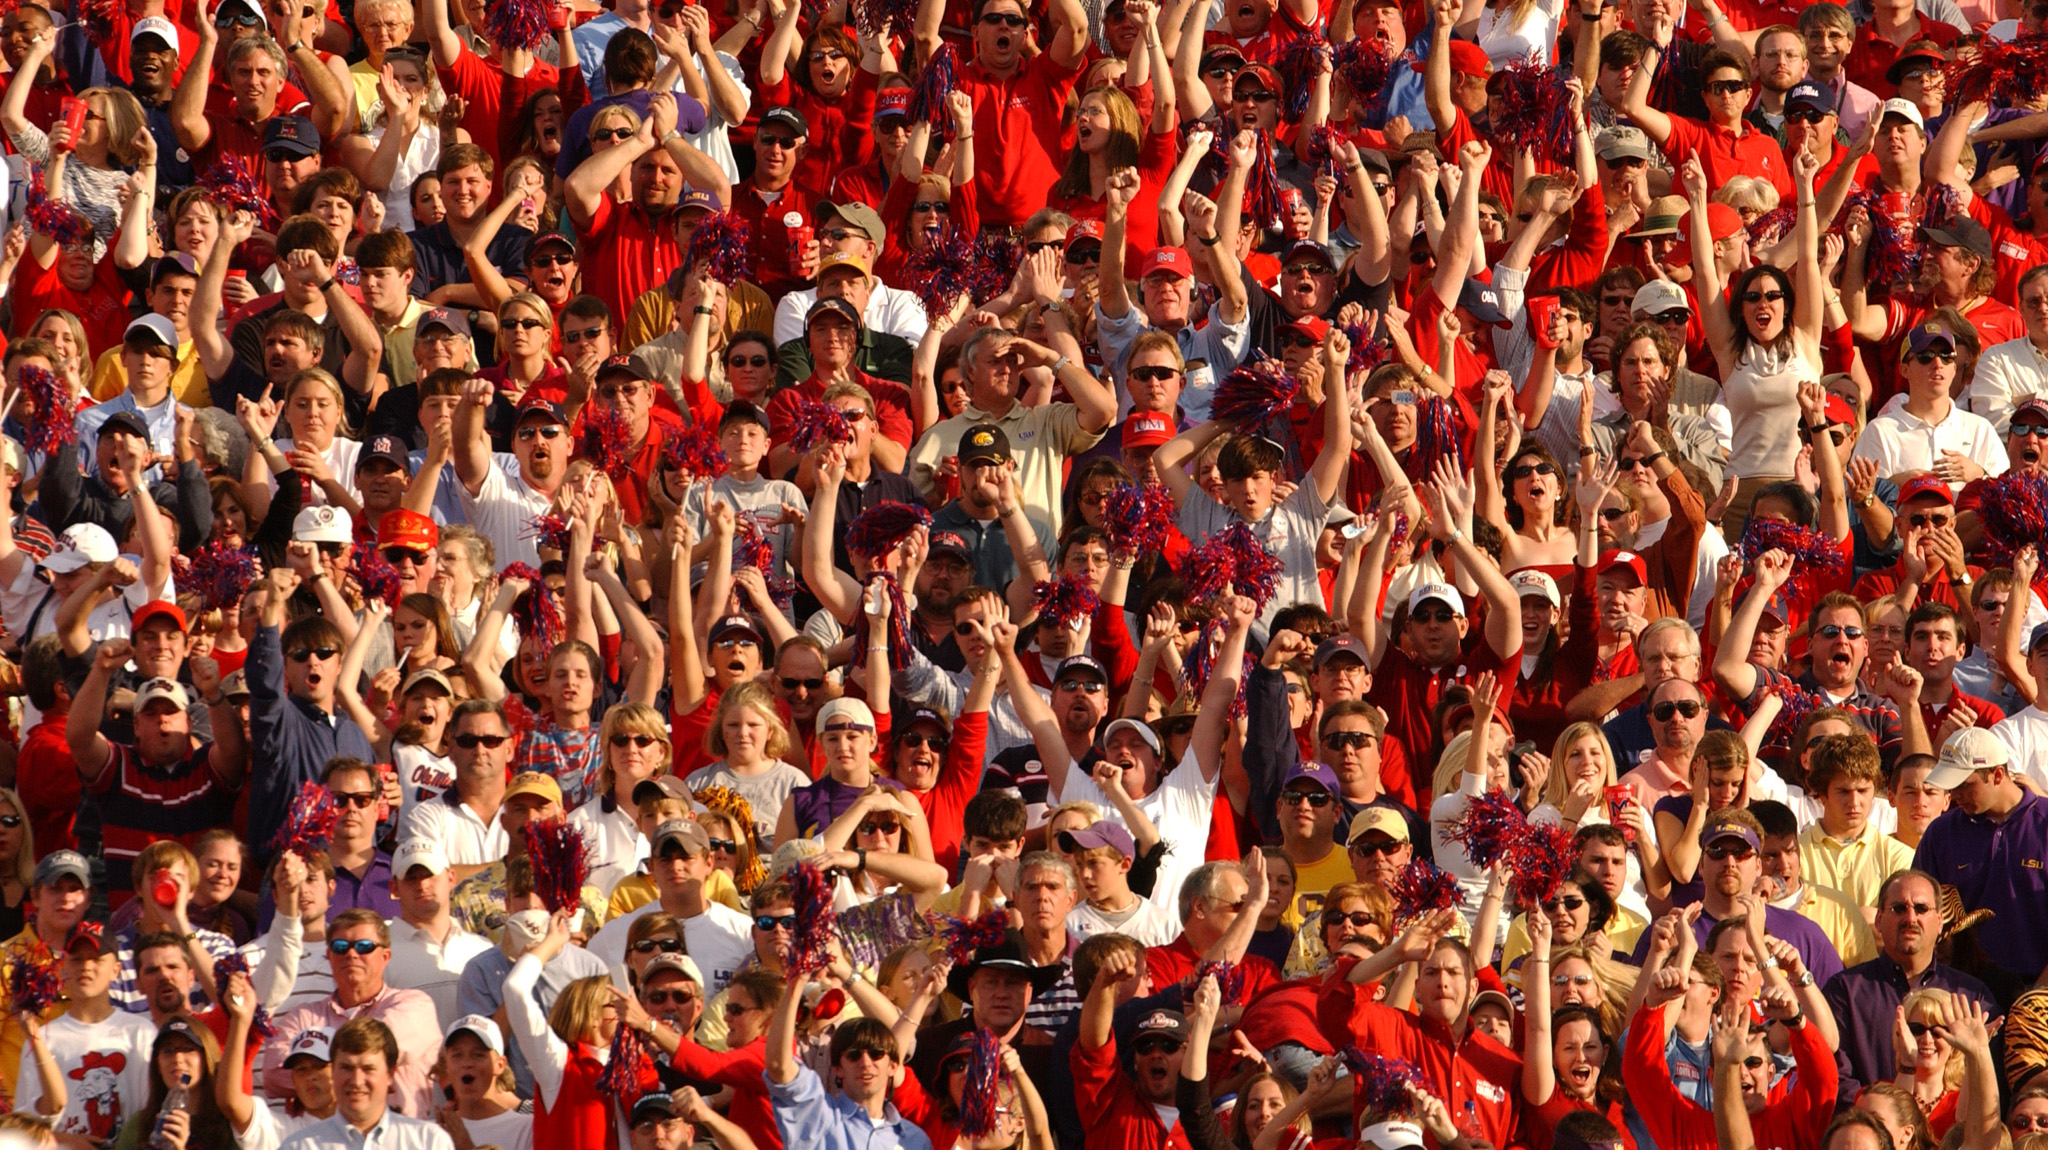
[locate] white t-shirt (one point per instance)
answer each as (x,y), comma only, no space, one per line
(341,461)
(512,1130)
(106,1072)
(765,792)
(422,776)
(1180,807)
(1289,531)
(503,509)
(269,1126)
(720,940)
(616,846)
(1149,923)
(2025,733)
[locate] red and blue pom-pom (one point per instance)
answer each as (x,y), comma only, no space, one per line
(1200,662)
(1067,601)
(1363,65)
(1893,253)
(694,453)
(901,642)
(1262,187)
(1256,571)
(940,76)
(375,576)
(220,574)
(1436,435)
(1138,519)
(230,184)
(964,936)
(536,614)
(810,947)
(1382,1086)
(1810,550)
(628,1069)
(877,531)
(55,422)
(607,439)
(1529,107)
(955,263)
(232,964)
(1994,71)
(1542,859)
(978,1102)
(1423,889)
(1368,350)
(60,221)
(1773,225)
(308,822)
(1301,61)
(752,548)
(520,24)
(561,862)
(2014,514)
(1254,394)
(549,532)
(1796,703)
(1489,827)
(723,244)
(816,424)
(874,17)
(1229,976)
(37,985)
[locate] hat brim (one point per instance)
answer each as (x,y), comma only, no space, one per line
(1949,776)
(1042,978)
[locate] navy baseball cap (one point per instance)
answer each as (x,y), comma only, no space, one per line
(1807,96)
(295,134)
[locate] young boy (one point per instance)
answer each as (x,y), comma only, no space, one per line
(1252,466)
(1102,854)
(97,1054)
(1844,850)
(1916,802)
(743,436)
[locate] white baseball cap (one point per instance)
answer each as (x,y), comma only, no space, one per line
(1904,109)
(1443,591)
(1530,583)
(322,525)
(485,1029)
(317,1042)
(419,852)
(81,544)
(1391,1135)
(1968,751)
(156,26)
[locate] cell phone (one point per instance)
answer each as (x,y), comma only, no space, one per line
(1515,755)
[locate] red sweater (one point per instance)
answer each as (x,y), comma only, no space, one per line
(740,1069)
(1794,1120)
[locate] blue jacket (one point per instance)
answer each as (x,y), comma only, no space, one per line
(291,741)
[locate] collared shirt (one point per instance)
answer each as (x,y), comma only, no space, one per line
(994,561)
(432,966)
(409,1014)
(132,1000)
(370,890)
(1838,918)
(891,310)
(1998,865)
(1897,440)
(482,991)
(2025,733)
(1041,439)
(2006,374)
(809,1117)
(1725,153)
(188,379)
(1210,351)
(392,1132)
(456,827)
(1865,999)
(162,421)
(1856,867)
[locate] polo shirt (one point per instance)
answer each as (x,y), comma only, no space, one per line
(1726,154)
(2006,374)
(102,307)
(625,252)
(188,379)
(456,828)
(234,136)
(995,564)
(2001,866)
(441,261)
(892,407)
(1872,55)
(1865,999)
(1988,713)
(1838,918)
(1408,692)
(485,88)
(1897,440)
(140,803)
(1041,439)
(1856,867)
(771,217)
(2025,733)
(1018,126)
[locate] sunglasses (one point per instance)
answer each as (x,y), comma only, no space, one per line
(964,629)
(1726,87)
(757,362)
(232,20)
(540,431)
(664,945)
(602,135)
(1926,357)
(1722,851)
(1443,616)
(879,827)
(584,336)
(783,142)
(398,555)
(282,155)
(1043,246)
(360,800)
(362,946)
(2030,431)
(1807,116)
(735,1009)
(1923,519)
(1676,317)
(471,742)
(1525,470)
(1006,19)
(641,741)
(938,743)
(867,1053)
(1316,799)
(941,207)
(1836,631)
(1772,296)
(1357,918)
(727,845)
(1563,980)
(1626,164)
(790,684)
(1919,908)
(664,997)
(1089,253)
(1613,514)
(769,922)
(1367,850)
(1085,686)
(526,324)
(1347,740)
(1663,711)
(331,550)
(1156,1046)
(301,654)
(1154,374)
(10,821)
(1753,1062)
(1568,902)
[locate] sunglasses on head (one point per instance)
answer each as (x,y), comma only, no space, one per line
(470,742)
(1525,470)
(1753,296)
(301,654)
(362,946)
(360,800)
(768,922)
(664,945)
(641,741)
(1663,711)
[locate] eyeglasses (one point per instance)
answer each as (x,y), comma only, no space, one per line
(1916,908)
(939,207)
(301,654)
(1663,711)
(866,1053)
(470,742)
(603,135)
(1006,19)
(1807,116)
(584,336)
(1722,851)
(526,324)
(837,235)
(1726,87)
(1923,519)
(1676,317)
(1347,740)
(1317,799)
(333,550)
(791,684)
(539,431)
(1836,631)
(1772,296)
(733,1009)
(2020,1124)
(360,800)
(1357,918)
(664,945)
(405,555)
(1563,980)
(1613,514)
(1088,253)
(621,391)
(1625,164)
(242,19)
(664,997)
(1085,686)
(1525,470)
(914,740)
(1367,850)
(1443,616)
(878,827)
(824,54)
(769,922)
(757,362)
(362,946)
(1926,357)
(1255,96)
(727,845)
(641,741)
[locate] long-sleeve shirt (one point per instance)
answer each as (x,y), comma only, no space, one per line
(1865,999)
(1794,1121)
(409,1014)
(740,1069)
(69,497)
(809,1117)
(295,741)
(1118,1118)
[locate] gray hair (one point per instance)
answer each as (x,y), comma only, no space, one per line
(970,352)
(1205,882)
(1671,623)
(249,45)
(220,439)
(1049,860)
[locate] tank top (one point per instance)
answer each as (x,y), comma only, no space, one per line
(582,1115)
(1762,394)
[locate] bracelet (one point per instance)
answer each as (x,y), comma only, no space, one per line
(1354,168)
(700,309)
(1208,241)
(1059,365)
(673,134)
(331,281)
(1585,451)
(863,860)
(968,136)
(1456,536)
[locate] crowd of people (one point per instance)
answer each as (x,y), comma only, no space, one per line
(963,574)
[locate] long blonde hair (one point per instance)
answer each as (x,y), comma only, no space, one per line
(24,861)
(579,1008)
(1927,1005)
(1557,788)
(755,695)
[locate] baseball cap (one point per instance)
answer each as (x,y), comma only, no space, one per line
(128,422)
(445,318)
(1920,485)
(62,864)
(681,964)
(483,1026)
(1306,247)
(1440,591)
(699,198)
(1620,142)
(1101,833)
(743,411)
(1342,645)
(1144,732)
(892,102)
(385,449)
(1930,336)
(427,675)
(1467,59)
(401,527)
(533,783)
(1147,429)
(661,787)
(1313,328)
(1393,1134)
(161,689)
(1267,79)
(1729,829)
(984,443)
(2031,405)
(1659,296)
(535,404)
(316,1043)
(419,852)
(1807,96)
(295,134)
(81,544)
(731,623)
(1838,410)
(845,712)
(1530,583)
(1961,232)
(558,240)
(1904,109)
(1482,300)
(653,1104)
(854,260)
(1084,230)
(835,306)
(789,118)
(235,686)
(1614,560)
(1968,751)
(619,365)
(1222,54)
(87,931)
(155,326)
(1080,664)
(158,608)
(1914,60)
(1312,771)
(158,27)
(2034,639)
(1173,261)
(951,543)
(855,215)
(1170,1023)
(1385,820)
(685,833)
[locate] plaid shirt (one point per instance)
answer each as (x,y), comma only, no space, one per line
(1872,712)
(571,758)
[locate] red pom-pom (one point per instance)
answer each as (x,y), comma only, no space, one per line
(536,614)
(549,532)
(308,823)
(1254,394)
(1488,828)
(234,963)
(810,949)
(1530,107)
(978,1092)
(55,422)
(1233,560)
(1994,71)
(1542,859)
(523,24)
(694,453)
(1363,65)
(964,936)
(900,641)
(607,439)
(37,985)
(723,243)
(1301,61)
(561,863)
(230,184)
(628,1070)
(375,575)
(1066,601)
(940,76)
(1382,1086)
(1422,889)
(816,424)
(1138,519)
(876,531)
(220,574)
(2014,512)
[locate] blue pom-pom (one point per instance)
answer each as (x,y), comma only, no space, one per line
(1810,550)
(978,1092)
(751,547)
(1138,519)
(1382,1086)
(940,76)
(900,641)
(230,184)
(549,532)
(1254,394)
(1257,571)
(375,576)
(1489,827)
(628,1069)
(2014,513)
(536,615)
(37,985)
(227,967)
(723,242)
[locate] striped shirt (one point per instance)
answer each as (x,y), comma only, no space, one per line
(1872,712)
(141,804)
(130,998)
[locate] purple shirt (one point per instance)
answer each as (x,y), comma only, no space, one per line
(1997,866)
(1790,926)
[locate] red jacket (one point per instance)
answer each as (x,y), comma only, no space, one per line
(1794,1120)
(740,1069)
(1117,1118)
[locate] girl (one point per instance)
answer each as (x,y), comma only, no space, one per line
(183,1054)
(1473,763)
(750,741)
(17,860)
(1530,511)
(633,748)
(525,337)
(565,1049)
(312,410)
(1720,778)
(1108,135)
(401,141)
(427,207)
(834,91)
(652,934)
(424,635)
(732,845)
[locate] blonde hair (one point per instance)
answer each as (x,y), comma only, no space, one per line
(24,861)
(1617,984)
(755,696)
(579,1008)
(124,119)
(1557,788)
(529,301)
(1749,193)
(1451,764)
(1931,1004)
(630,719)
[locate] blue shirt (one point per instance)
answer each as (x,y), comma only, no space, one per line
(1997,866)
(162,421)
(293,739)
(481,990)
(1865,999)
(370,892)
(809,1118)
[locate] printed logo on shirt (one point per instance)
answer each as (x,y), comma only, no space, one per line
(1490,1092)
(2031,864)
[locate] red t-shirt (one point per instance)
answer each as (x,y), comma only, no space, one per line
(1725,155)
(892,407)
(625,252)
(1175,961)
(1156,157)
(102,307)
(1017,126)
(47,778)
(1408,691)
(486,89)
(841,134)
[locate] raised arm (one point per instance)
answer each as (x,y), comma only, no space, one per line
(1212,721)
(1450,520)
(1714,313)
(215,355)
(188,101)
(1328,469)
(1732,668)
(440,33)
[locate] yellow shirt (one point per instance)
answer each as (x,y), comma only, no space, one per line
(12,1037)
(636,891)
(1841,920)
(188,380)
(1312,881)
(1858,867)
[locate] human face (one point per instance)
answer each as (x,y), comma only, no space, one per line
(1826,48)
(1080,701)
(1092,126)
(386,290)
(255,82)
(361,1084)
(1444,987)
(1569,914)
(1847,803)
(745,1018)
(1621,599)
(1437,631)
(437,347)
(164,978)
(478,761)
(310,675)
(1899,143)
(1933,371)
(1102,876)
(314,414)
(1167,297)
(1933,649)
(750,368)
(1381,21)
(159,648)
(1043,898)
(552,271)
(1129,750)
(1155,379)
(1781,61)
(1667,655)
(468,1067)
(672,998)
(1908,921)
(1741,975)
(1377,858)
(1838,658)
(1000,996)
(1639,368)
(179,1061)
(525,331)
(1157,1059)
(60,905)
(1261,1100)
(466,192)
(422,894)
(641,953)
(1765,304)
(1917,803)
(1607,863)
(632,399)
(1577,1052)
(385,27)
(1732,874)
(1341,677)
(657,181)
(2028,1115)
(428,206)
(89,976)
(999,35)
(1342,929)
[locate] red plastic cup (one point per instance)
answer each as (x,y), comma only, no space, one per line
(1619,797)
(74,119)
(799,247)
(163,888)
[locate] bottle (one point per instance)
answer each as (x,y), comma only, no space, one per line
(163,887)
(179,1097)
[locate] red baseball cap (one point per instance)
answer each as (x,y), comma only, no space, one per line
(1262,74)
(1921,485)
(1467,59)
(1147,429)
(407,529)
(1084,230)
(151,610)
(1164,259)
(1313,327)
(1614,560)
(1839,411)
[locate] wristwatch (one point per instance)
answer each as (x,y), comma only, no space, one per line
(1804,980)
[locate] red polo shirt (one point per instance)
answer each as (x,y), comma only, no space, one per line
(1725,154)
(769,223)
(1408,691)
(1871,56)
(892,407)
(625,252)
(840,135)
(1017,129)
(1282,28)
(233,135)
